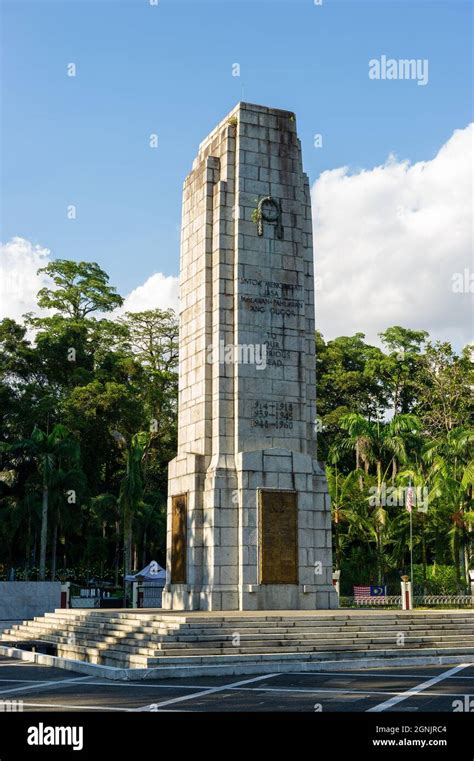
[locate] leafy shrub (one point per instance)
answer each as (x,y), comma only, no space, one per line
(440,580)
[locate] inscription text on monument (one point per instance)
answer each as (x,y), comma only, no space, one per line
(178,539)
(278,537)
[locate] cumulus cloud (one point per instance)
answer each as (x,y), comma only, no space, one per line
(19,282)
(158,292)
(393,247)
(393,244)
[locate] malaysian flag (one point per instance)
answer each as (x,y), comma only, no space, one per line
(372,593)
(409,501)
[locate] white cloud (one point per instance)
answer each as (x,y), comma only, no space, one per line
(19,282)
(388,242)
(158,292)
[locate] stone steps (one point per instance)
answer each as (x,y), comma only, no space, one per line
(200,639)
(151,650)
(121,659)
(152,639)
(144,645)
(186,618)
(381,644)
(203,636)
(163,627)
(304,657)
(159,630)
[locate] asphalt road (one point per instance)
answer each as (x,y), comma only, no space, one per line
(30,687)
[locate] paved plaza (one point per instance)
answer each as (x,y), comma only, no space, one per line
(407,689)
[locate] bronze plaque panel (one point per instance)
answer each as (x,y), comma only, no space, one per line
(178,539)
(278,537)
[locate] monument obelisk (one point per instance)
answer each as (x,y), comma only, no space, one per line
(249,523)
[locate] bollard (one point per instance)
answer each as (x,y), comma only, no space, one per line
(407,598)
(65,594)
(134,594)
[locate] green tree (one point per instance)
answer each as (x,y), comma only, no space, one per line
(452,482)
(399,369)
(445,384)
(131,488)
(80,288)
(348,510)
(346,381)
(379,447)
(49,451)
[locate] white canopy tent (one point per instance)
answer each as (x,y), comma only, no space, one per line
(152,572)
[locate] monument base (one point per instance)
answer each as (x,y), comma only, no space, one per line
(251,598)
(260,526)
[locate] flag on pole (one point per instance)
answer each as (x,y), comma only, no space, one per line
(409,499)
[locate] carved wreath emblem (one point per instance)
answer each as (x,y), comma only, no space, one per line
(269,210)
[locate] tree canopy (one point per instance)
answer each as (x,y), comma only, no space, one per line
(88,416)
(80,288)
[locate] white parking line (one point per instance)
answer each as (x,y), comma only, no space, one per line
(52,684)
(315,690)
(26,681)
(339,691)
(145,686)
(367,674)
(416,690)
(205,691)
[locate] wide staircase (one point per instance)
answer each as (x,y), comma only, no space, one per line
(168,640)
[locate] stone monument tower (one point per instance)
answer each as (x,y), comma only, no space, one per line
(248,515)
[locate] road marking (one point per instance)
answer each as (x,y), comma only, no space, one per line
(40,685)
(76,707)
(338,691)
(416,690)
(145,686)
(310,691)
(205,691)
(28,681)
(367,674)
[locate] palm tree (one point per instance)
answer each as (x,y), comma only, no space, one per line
(453,489)
(451,465)
(106,511)
(131,489)
(345,498)
(375,442)
(382,447)
(359,435)
(68,480)
(50,452)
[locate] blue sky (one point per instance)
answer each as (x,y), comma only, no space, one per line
(167,69)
